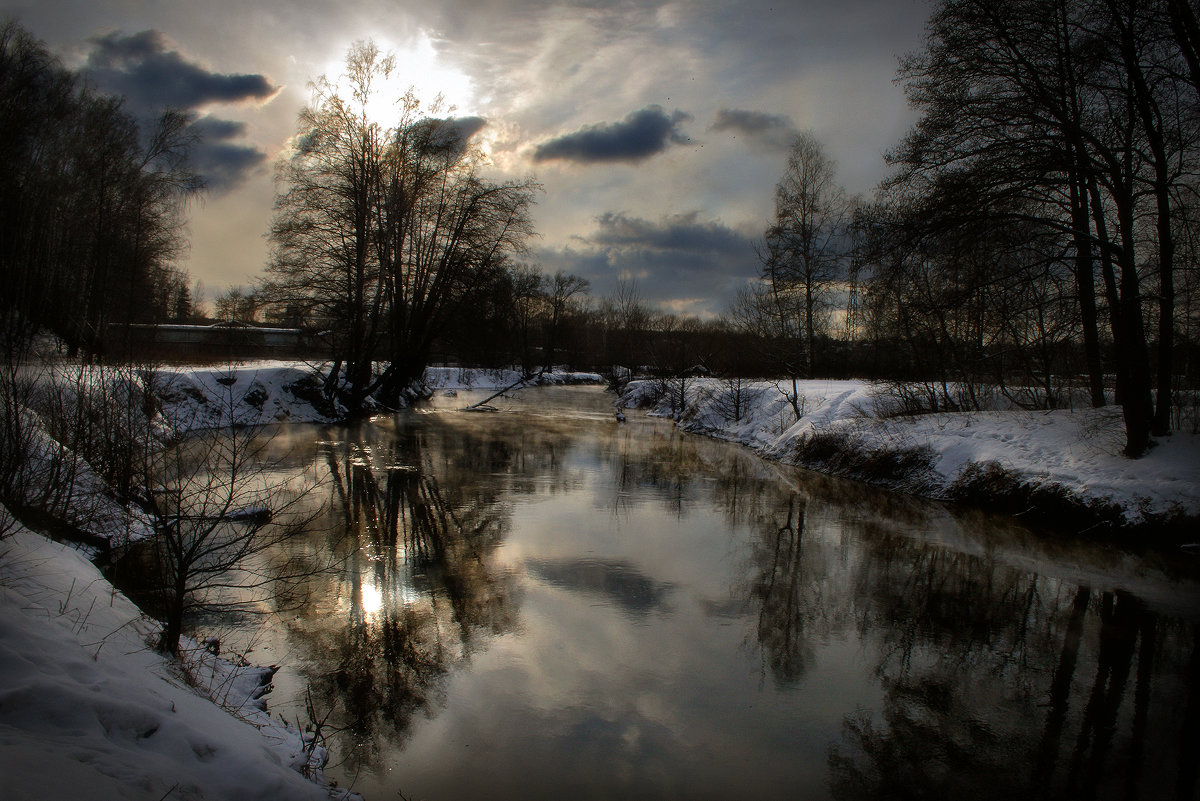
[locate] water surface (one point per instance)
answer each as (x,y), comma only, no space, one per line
(545,603)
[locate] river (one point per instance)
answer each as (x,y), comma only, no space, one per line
(546,603)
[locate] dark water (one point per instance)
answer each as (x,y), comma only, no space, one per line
(544,603)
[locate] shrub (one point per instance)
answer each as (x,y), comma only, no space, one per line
(843,454)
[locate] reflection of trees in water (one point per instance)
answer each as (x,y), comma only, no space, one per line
(783,589)
(417,583)
(999,682)
(797,569)
(667,461)
(996,681)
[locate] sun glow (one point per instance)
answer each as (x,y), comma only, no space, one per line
(442,88)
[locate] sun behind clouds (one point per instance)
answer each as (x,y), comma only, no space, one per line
(419,68)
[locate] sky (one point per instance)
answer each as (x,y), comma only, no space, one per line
(657,128)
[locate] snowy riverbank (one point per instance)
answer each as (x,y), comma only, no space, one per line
(1041,464)
(88,709)
(283,391)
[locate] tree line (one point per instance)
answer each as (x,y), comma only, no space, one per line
(92,204)
(1039,223)
(1041,217)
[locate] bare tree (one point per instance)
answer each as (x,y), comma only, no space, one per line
(322,246)
(384,229)
(237,305)
(1080,115)
(560,289)
(806,249)
(223,501)
(442,228)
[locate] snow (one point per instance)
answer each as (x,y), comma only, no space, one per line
(252,393)
(88,709)
(54,477)
(455,378)
(1076,451)
(286,391)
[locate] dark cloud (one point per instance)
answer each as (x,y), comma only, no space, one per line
(452,133)
(680,262)
(680,233)
(223,164)
(639,136)
(215,129)
(761,130)
(146,69)
(466,127)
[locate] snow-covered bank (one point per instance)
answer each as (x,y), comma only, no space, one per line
(74,409)
(1045,462)
(250,393)
(88,709)
(279,391)
(437,378)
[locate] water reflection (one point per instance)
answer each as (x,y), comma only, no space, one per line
(548,606)
(999,682)
(417,581)
(622,584)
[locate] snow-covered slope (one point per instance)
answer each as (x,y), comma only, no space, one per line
(89,710)
(844,428)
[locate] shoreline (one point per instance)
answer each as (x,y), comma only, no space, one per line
(1060,469)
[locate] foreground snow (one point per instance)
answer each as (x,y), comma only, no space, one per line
(89,710)
(846,427)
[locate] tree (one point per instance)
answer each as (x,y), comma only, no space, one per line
(806,250)
(220,512)
(756,312)
(1079,116)
(443,229)
(560,290)
(384,230)
(237,305)
(91,202)
(326,192)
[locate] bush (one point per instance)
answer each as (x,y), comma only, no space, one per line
(991,486)
(840,453)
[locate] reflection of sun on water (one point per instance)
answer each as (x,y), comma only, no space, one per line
(372,600)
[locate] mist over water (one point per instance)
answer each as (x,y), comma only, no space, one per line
(546,603)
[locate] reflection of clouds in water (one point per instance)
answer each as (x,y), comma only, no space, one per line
(622,584)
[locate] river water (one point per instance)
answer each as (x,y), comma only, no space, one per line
(546,603)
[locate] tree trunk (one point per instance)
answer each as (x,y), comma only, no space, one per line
(173,625)
(1085,283)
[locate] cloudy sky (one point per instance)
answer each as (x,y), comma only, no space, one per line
(657,127)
